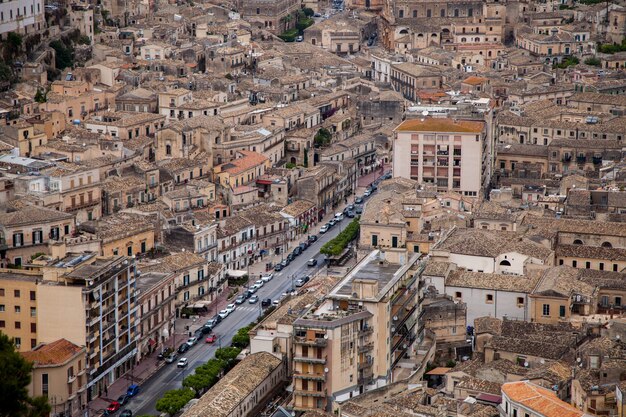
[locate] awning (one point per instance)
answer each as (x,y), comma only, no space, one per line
(490,398)
(235,273)
(438,371)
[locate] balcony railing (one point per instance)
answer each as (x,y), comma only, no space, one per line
(367,347)
(306,393)
(310,342)
(71,378)
(309,359)
(315,377)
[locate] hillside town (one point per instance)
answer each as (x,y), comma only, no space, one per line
(315,208)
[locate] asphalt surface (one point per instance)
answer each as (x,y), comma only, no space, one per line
(170,377)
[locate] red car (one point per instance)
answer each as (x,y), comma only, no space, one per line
(212,338)
(113,407)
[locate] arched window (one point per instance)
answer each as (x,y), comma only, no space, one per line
(505,263)
(168,149)
(578,242)
(404,32)
(607,245)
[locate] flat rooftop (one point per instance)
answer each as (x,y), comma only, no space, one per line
(373,268)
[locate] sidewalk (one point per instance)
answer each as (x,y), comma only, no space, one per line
(142,371)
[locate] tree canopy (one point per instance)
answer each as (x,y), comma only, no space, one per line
(15,375)
(174,400)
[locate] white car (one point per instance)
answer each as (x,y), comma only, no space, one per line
(324,229)
(182,362)
(192,341)
(230,308)
(223,314)
(259,283)
(275,303)
(267,278)
(367,193)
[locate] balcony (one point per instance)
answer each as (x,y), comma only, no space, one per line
(366,347)
(581,159)
(83,205)
(308,359)
(71,378)
(566,159)
(310,342)
(365,365)
(314,377)
(597,160)
(366,330)
(306,393)
(365,377)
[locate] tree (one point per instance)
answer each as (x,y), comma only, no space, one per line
(15,375)
(173,400)
(308,12)
(335,246)
(322,137)
(40,97)
(306,158)
(227,354)
(595,62)
(242,339)
(64,56)
(14,42)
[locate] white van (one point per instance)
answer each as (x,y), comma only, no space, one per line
(338,217)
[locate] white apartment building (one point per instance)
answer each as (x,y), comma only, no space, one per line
(21,16)
(453,154)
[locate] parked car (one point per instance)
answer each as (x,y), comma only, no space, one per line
(223,314)
(183,348)
(312,238)
(367,193)
(171,358)
(248,294)
(231,308)
(275,303)
(254,299)
(300,282)
(123,399)
(278,267)
(126,413)
(259,283)
(113,407)
(324,228)
(240,299)
(183,362)
(332,222)
(266,302)
(350,214)
(286,262)
(267,277)
(289,258)
(252,289)
(358,200)
(312,262)
(192,341)
(297,251)
(132,390)
(359,210)
(212,322)
(205,329)
(212,338)
(303,245)
(338,217)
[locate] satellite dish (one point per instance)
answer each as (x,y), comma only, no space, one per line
(326,370)
(326,336)
(525,364)
(425,113)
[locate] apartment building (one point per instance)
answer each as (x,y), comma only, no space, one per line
(77,99)
(27,230)
(157,311)
(125,125)
(88,300)
(66,187)
(451,154)
(241,171)
(351,341)
(21,16)
(194,277)
(409,79)
(59,370)
(269,15)
(236,242)
(195,236)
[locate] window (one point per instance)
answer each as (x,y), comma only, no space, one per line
(44,384)
(33,327)
(2,308)
(574,263)
(374,240)
(18,309)
(546,310)
(16,293)
(18,344)
(588,265)
(458,294)
(33,296)
(33,312)
(1,292)
(489,299)
(520,301)
(561,311)
(601,266)
(2,324)
(18,325)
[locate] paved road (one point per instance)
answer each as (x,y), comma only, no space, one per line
(171,377)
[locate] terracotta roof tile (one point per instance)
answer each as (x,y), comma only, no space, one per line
(55,353)
(541,400)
